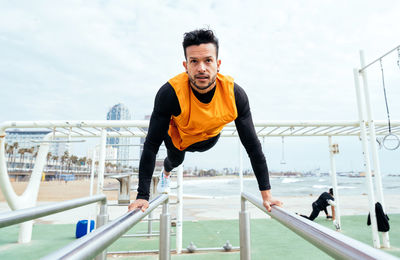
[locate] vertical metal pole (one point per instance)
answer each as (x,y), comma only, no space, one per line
(179,211)
(102,219)
(244,229)
(240,166)
(102,159)
(375,157)
(165,224)
(91,185)
(371,197)
(334,180)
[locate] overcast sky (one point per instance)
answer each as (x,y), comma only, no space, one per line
(73,60)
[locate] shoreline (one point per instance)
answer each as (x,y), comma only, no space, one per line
(194,207)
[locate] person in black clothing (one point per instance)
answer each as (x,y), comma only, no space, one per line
(189,112)
(323,201)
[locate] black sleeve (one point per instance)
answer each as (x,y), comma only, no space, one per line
(166,104)
(248,137)
(326,211)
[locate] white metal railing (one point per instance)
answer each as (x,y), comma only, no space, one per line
(22,215)
(331,242)
(95,243)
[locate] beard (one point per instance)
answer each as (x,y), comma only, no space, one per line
(193,81)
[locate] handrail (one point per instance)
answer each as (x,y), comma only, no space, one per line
(94,243)
(331,242)
(22,215)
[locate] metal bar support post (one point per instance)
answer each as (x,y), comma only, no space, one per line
(371,197)
(332,152)
(244,229)
(374,149)
(102,219)
(179,210)
(165,230)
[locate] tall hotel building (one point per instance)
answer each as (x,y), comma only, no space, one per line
(122,144)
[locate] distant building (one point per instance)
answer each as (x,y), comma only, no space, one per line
(122,144)
(26,139)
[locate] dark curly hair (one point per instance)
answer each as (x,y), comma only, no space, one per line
(198,37)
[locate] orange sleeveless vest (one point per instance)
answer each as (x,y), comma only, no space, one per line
(198,121)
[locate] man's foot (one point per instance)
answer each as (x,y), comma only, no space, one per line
(163,183)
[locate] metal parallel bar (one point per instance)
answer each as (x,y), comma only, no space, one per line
(331,242)
(366,66)
(95,242)
(22,215)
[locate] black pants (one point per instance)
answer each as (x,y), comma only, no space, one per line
(314,213)
(175,157)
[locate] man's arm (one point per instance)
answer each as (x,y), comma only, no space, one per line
(165,104)
(248,137)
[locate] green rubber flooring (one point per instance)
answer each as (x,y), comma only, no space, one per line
(269,239)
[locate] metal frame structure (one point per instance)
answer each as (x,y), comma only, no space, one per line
(136,128)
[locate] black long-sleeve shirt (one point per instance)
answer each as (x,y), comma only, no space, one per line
(167,104)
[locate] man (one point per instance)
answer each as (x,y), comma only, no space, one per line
(189,113)
(323,201)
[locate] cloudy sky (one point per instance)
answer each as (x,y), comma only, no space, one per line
(73,60)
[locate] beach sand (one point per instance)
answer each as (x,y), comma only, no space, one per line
(194,208)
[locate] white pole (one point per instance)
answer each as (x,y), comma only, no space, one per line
(371,198)
(102,159)
(240,166)
(375,157)
(91,185)
(332,152)
(179,211)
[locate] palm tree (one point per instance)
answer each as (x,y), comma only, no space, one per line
(48,157)
(22,152)
(9,151)
(73,160)
(32,152)
(15,148)
(89,162)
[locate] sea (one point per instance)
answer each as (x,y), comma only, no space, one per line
(286,186)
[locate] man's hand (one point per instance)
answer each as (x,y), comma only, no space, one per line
(268,201)
(328,217)
(139,204)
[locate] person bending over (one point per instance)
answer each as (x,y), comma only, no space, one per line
(190,111)
(321,204)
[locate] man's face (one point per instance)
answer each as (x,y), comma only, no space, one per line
(202,66)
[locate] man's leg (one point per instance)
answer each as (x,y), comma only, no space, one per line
(174,158)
